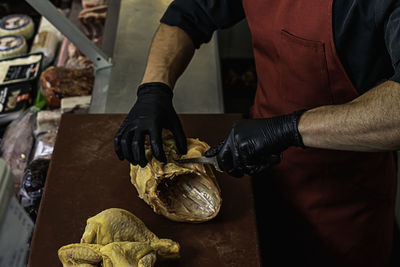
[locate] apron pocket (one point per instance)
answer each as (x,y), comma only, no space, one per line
(304,81)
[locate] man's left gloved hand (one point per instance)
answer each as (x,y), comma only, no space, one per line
(254,145)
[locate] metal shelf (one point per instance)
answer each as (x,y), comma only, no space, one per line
(129,29)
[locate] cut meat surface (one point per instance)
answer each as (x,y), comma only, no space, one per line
(180,192)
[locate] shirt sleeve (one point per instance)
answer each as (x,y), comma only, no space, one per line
(392,39)
(200,18)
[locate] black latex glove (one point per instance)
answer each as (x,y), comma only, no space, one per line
(152,112)
(253,145)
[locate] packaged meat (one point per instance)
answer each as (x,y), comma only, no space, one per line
(17,24)
(79,62)
(70,57)
(12,45)
(60,82)
(76,104)
(93,20)
(35,174)
(46,41)
(17,144)
(45,145)
(92,3)
(32,186)
(47,120)
(18,81)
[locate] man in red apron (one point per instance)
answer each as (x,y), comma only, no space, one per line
(328,100)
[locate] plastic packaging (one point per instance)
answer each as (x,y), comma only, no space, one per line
(92,3)
(47,120)
(18,82)
(34,178)
(33,184)
(46,128)
(17,145)
(12,45)
(59,82)
(18,24)
(46,41)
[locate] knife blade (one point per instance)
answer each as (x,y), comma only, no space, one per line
(273,158)
(202,160)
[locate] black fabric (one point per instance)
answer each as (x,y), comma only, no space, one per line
(367,38)
(366,33)
(200,18)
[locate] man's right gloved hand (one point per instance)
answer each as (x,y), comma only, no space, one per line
(152,112)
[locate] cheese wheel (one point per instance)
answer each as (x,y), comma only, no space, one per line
(12,45)
(17,24)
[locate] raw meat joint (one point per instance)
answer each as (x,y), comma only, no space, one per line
(180,192)
(93,20)
(59,82)
(116,238)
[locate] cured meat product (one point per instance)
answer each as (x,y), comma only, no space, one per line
(116,237)
(70,57)
(93,20)
(180,192)
(76,104)
(16,146)
(76,60)
(44,145)
(79,62)
(92,3)
(47,120)
(60,82)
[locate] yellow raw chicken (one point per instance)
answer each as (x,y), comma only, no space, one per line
(180,192)
(113,225)
(137,253)
(128,254)
(117,238)
(82,255)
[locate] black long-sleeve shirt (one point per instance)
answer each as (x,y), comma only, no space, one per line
(366,33)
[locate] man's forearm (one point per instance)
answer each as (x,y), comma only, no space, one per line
(170,53)
(371,122)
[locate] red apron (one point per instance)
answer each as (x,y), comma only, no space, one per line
(341,203)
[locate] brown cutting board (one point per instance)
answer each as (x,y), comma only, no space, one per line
(86,177)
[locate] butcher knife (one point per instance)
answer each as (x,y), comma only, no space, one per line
(202,160)
(273,159)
